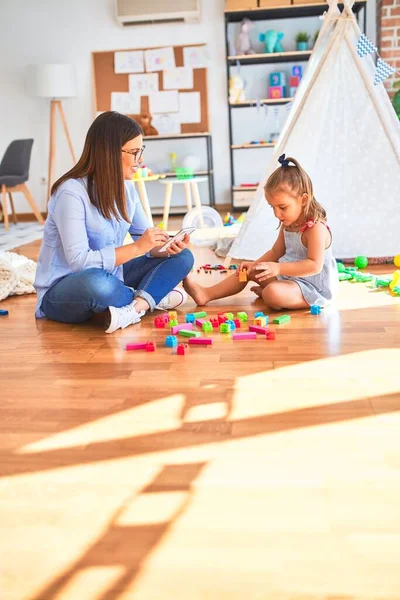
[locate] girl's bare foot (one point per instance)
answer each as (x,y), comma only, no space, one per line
(257,289)
(195,290)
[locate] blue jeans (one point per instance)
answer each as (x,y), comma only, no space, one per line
(76,297)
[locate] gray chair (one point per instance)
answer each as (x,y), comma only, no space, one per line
(14,172)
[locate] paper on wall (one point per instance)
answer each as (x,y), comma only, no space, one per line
(195,56)
(190,107)
(143,84)
(125,103)
(180,78)
(163,102)
(167,123)
(159,59)
(129,62)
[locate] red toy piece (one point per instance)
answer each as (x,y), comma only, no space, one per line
(160,322)
(150,347)
(237,323)
(270,335)
(182,349)
(215,323)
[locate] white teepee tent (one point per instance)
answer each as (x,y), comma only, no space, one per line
(343,130)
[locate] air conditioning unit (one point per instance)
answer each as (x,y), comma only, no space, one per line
(139,12)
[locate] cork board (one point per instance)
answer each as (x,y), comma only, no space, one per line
(107,81)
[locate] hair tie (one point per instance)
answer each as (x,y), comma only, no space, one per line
(284,161)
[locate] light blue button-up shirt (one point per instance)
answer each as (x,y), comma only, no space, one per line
(77,236)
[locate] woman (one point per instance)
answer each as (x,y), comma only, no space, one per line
(83,266)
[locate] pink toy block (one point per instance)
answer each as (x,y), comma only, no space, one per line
(150,347)
(237,323)
(270,335)
(182,349)
(139,346)
(177,328)
(248,335)
(275,92)
(257,329)
(165,317)
(200,341)
(160,323)
(199,322)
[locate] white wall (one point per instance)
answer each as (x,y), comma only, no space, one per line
(57,31)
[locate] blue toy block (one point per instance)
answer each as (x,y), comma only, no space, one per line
(171,341)
(259,314)
(297,70)
(277,79)
(315,309)
(3,313)
(231,324)
(190,318)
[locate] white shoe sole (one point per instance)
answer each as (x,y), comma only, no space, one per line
(181,299)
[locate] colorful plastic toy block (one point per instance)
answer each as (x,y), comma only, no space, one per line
(172,315)
(248,335)
(201,341)
(242,316)
(222,319)
(207,327)
(243,275)
(260,321)
(294,81)
(277,91)
(231,324)
(159,323)
(395,281)
(182,349)
(278,78)
(176,328)
(297,70)
(215,323)
(199,315)
(171,341)
(259,314)
(282,319)
(270,335)
(188,333)
(315,309)
(224,328)
(189,318)
(199,322)
(382,282)
(237,323)
(173,322)
(148,346)
(230,316)
(258,329)
(3,313)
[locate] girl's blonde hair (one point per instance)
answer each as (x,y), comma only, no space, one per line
(293,178)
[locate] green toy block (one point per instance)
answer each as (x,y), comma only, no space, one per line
(396,290)
(199,315)
(242,316)
(173,323)
(382,282)
(282,319)
(229,316)
(188,333)
(207,326)
(224,328)
(345,277)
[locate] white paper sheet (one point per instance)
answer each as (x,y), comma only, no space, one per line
(143,84)
(189,107)
(180,78)
(163,102)
(126,103)
(159,59)
(129,62)
(195,56)
(167,123)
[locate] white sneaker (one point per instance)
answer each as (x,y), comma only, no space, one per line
(122,317)
(175,298)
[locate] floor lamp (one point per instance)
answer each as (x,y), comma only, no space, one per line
(55,82)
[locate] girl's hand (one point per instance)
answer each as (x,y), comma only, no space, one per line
(177,247)
(152,237)
(269,269)
(247,265)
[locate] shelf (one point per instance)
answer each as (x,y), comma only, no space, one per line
(285,12)
(174,136)
(256,59)
(251,146)
(244,188)
(253,103)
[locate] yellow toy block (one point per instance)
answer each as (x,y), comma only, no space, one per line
(260,322)
(172,315)
(395,281)
(243,275)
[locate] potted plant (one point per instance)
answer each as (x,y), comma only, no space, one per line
(302,39)
(396,98)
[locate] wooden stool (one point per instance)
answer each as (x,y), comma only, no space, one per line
(191,187)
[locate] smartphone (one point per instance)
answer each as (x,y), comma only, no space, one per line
(177,238)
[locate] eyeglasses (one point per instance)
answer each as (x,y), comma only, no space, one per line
(137,154)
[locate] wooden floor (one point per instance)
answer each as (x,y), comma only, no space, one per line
(247,470)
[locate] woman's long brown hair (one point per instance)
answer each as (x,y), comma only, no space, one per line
(295,179)
(101,163)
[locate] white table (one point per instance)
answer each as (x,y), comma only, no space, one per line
(191,188)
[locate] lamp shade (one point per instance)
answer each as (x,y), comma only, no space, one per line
(51,81)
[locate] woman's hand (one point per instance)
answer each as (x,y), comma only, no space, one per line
(152,237)
(268,270)
(177,247)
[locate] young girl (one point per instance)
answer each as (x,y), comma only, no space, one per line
(84,266)
(299,270)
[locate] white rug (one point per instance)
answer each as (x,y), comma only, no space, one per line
(17,235)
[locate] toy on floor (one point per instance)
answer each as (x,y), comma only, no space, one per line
(148,346)
(397,261)
(201,341)
(282,319)
(171,341)
(315,309)
(3,313)
(361,262)
(182,349)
